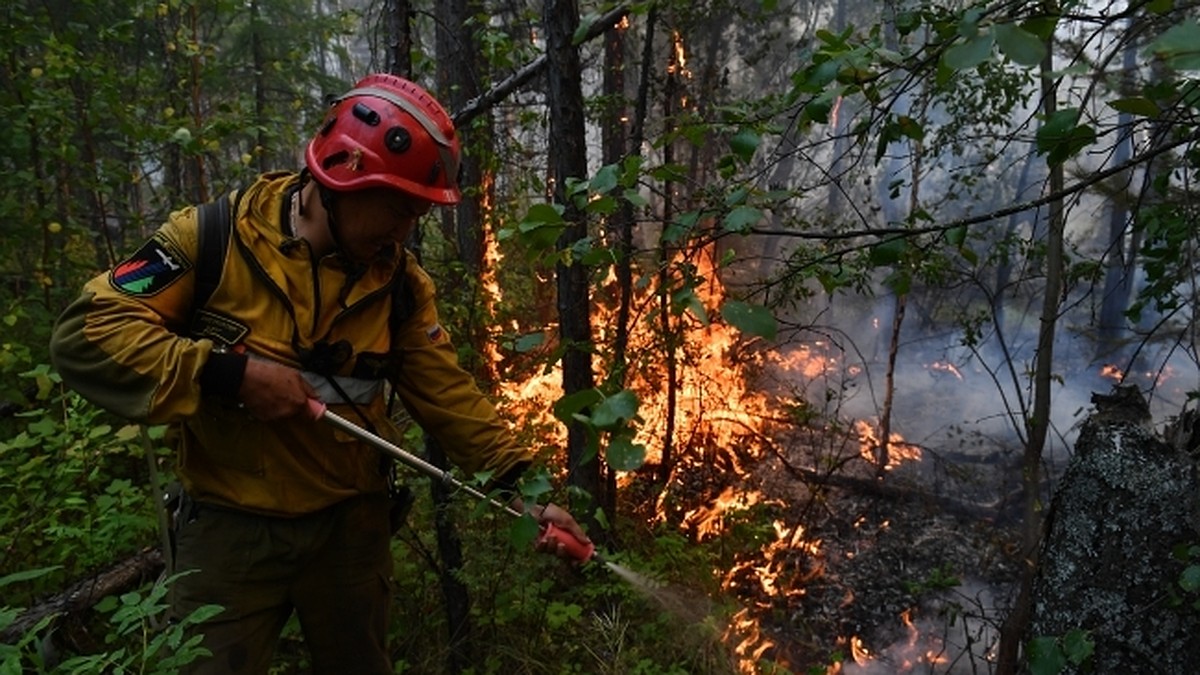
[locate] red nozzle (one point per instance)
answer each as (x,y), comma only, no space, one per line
(575,548)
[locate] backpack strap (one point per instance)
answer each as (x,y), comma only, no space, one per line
(215,226)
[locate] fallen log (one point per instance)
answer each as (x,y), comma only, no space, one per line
(84,594)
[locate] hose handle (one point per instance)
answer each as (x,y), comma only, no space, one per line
(316,408)
(578,550)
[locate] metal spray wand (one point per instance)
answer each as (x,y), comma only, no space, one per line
(577,549)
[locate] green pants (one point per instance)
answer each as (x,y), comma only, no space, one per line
(332,567)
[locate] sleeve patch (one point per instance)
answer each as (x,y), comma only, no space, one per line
(434,333)
(149,270)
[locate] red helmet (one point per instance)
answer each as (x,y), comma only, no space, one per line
(387,132)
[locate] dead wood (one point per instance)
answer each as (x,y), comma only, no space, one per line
(527,72)
(84,594)
(999,511)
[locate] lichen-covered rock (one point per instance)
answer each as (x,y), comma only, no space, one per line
(1108,566)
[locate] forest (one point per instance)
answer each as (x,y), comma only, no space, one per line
(801,304)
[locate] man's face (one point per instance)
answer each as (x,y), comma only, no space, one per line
(373,222)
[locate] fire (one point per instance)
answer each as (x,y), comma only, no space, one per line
(898,451)
(678,62)
(720,421)
(807,360)
(917,652)
(706,521)
(946,367)
(1111,371)
(753,643)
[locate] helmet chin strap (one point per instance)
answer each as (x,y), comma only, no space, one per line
(354,270)
(329,202)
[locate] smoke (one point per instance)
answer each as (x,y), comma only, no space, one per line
(954,633)
(968,388)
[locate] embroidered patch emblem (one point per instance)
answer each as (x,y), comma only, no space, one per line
(150,269)
(434,332)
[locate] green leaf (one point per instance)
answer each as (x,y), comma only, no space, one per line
(534,486)
(1045,656)
(544,213)
(571,404)
(1179,46)
(1062,137)
(1188,581)
(968,27)
(625,455)
(1041,26)
(737,196)
(907,21)
(750,319)
(889,252)
(818,109)
(523,531)
(1018,44)
(127,432)
(615,410)
(529,342)
(634,197)
(820,75)
(605,179)
(686,300)
(27,575)
(1136,105)
(967,55)
(1078,646)
(541,226)
(741,219)
(956,236)
(744,143)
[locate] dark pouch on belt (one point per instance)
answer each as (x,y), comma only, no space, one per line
(402,498)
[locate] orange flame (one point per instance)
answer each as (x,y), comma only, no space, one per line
(898,450)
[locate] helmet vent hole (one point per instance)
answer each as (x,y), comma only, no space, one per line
(363,112)
(434,172)
(333,160)
(397,139)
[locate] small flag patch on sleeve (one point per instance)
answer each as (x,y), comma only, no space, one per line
(434,332)
(149,270)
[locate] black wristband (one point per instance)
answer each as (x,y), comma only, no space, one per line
(222,374)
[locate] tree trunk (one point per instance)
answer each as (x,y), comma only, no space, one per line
(1110,564)
(666,327)
(398,19)
(569,153)
(1119,261)
(1038,423)
(460,71)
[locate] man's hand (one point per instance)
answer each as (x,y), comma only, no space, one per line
(560,518)
(271,391)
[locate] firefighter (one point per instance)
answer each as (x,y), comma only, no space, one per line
(316,298)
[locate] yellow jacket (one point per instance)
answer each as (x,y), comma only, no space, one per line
(131,343)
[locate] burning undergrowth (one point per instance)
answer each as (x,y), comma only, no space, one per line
(832,562)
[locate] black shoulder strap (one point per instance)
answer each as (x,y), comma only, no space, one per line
(214,229)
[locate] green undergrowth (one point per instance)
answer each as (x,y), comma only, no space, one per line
(77,497)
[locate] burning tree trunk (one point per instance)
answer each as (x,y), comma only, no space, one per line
(1110,563)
